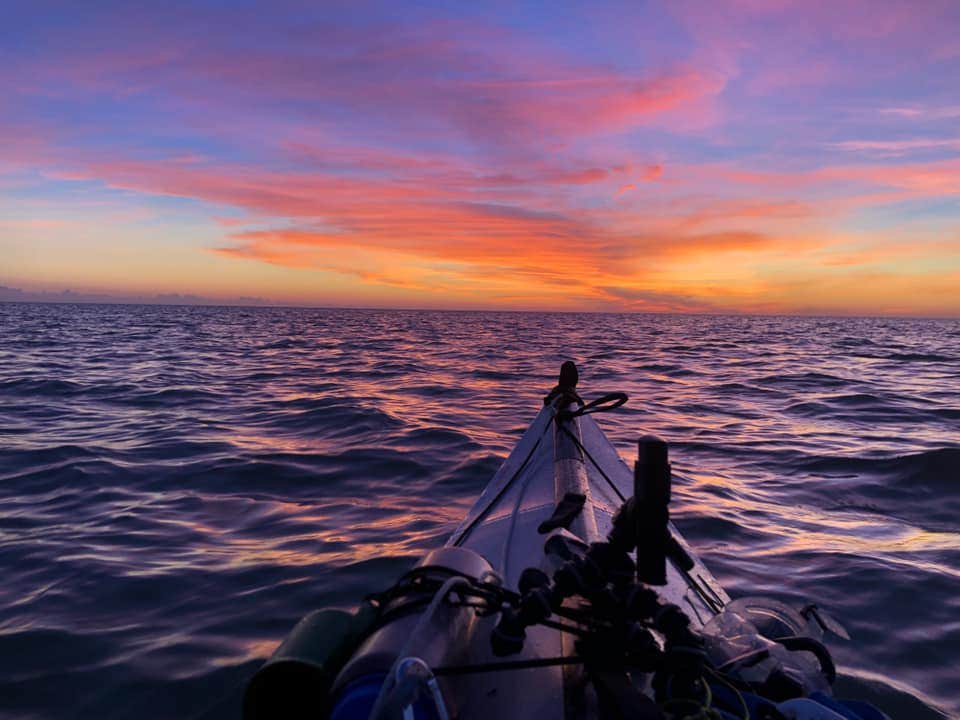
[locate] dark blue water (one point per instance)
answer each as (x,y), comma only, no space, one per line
(179,485)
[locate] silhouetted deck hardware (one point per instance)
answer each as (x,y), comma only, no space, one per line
(651,492)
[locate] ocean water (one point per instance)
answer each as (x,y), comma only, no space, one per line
(179,485)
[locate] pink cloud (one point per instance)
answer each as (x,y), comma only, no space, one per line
(788,44)
(923,112)
(652,172)
(939,178)
(453,80)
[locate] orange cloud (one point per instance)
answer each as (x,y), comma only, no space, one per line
(653,172)
(874,253)
(492,232)
(529,224)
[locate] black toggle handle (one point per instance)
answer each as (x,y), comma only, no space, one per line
(651,492)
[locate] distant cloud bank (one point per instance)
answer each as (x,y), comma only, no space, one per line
(12,294)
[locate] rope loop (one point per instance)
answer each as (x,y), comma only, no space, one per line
(604,403)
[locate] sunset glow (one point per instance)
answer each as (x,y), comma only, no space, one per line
(798,157)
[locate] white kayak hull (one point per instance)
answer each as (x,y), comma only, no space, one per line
(502,527)
(350,665)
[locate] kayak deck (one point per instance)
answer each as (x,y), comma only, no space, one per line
(502,526)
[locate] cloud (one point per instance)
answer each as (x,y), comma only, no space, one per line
(502,247)
(13,294)
(444,79)
(15,224)
(575,106)
(641,299)
(652,172)
(384,218)
(923,112)
(938,178)
(894,148)
(872,253)
(432,153)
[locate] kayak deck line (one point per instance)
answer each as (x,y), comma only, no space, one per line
(500,484)
(570,474)
(571,481)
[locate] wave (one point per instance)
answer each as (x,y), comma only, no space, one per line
(932,469)
(804,381)
(42,387)
(179,486)
(915,357)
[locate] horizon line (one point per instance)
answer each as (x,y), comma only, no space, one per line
(269,305)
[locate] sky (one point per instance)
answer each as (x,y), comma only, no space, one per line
(739,156)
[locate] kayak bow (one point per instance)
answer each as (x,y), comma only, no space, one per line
(565,592)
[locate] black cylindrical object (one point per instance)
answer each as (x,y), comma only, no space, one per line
(651,492)
(569,376)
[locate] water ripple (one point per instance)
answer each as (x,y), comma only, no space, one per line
(180,485)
